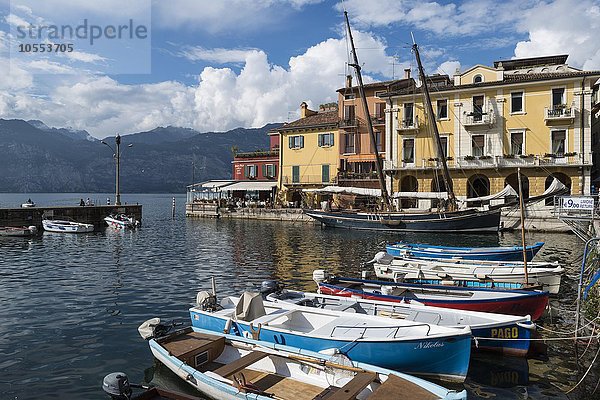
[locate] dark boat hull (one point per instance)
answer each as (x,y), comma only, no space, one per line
(458,221)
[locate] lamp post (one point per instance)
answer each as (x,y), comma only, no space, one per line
(117,157)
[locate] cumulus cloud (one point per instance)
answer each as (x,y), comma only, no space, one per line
(579,39)
(223,98)
(449,67)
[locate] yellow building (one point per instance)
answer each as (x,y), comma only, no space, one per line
(309,151)
(531,113)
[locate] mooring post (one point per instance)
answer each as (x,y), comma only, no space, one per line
(173,209)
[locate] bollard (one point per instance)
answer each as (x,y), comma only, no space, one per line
(108,201)
(173,209)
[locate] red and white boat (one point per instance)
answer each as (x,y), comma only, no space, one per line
(511,302)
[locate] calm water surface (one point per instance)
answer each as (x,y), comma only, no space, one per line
(71,304)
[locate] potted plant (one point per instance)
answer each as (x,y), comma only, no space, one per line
(571,154)
(469,158)
(550,155)
(509,155)
(485,157)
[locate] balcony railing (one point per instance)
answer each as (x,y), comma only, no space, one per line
(349,123)
(378,120)
(408,124)
(478,119)
(559,113)
(357,176)
(306,179)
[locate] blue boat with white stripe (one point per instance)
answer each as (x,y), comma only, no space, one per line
(507,253)
(415,348)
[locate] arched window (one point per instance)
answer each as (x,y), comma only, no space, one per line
(478,79)
(513,181)
(409,184)
(477,186)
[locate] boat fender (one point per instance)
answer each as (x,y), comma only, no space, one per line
(481,277)
(330,352)
(527,325)
(227,327)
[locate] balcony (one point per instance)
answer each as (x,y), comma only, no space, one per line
(378,120)
(408,125)
(560,113)
(349,123)
(475,120)
(305,180)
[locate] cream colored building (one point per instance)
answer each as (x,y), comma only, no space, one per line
(309,152)
(531,113)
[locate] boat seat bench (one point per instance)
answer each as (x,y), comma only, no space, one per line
(397,388)
(239,364)
(351,389)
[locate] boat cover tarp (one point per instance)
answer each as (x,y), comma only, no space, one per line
(250,306)
(555,188)
(507,191)
(346,190)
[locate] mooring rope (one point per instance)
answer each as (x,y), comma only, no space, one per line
(586,373)
(540,339)
(591,322)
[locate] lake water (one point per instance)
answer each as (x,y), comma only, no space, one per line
(71,304)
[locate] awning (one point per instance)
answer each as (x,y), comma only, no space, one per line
(421,195)
(251,185)
(215,184)
(507,191)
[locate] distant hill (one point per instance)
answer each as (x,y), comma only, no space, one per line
(36,158)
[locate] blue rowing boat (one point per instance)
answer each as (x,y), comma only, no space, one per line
(416,348)
(505,253)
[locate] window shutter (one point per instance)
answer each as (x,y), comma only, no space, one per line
(291,142)
(331,139)
(301,142)
(245,171)
(320,140)
(264,170)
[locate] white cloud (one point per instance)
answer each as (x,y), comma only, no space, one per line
(223,98)
(217,55)
(15,20)
(449,67)
(563,36)
(85,57)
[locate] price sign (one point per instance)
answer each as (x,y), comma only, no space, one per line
(578,203)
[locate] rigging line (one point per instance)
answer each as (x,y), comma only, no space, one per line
(586,372)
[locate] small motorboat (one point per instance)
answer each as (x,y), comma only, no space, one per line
(118,387)
(227,367)
(489,330)
(28,204)
(121,221)
(411,347)
(507,253)
(66,226)
(511,302)
(547,277)
(18,231)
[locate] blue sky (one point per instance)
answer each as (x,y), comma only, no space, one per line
(217,65)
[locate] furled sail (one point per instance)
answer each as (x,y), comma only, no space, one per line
(346,190)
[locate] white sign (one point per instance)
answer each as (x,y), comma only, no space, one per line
(578,203)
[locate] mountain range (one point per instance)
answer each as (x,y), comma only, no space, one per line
(37,158)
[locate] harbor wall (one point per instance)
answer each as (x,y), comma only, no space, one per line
(86,214)
(267,214)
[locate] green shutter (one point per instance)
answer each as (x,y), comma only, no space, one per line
(325,173)
(295,174)
(291,142)
(301,142)
(264,170)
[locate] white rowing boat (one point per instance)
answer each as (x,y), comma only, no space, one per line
(64,226)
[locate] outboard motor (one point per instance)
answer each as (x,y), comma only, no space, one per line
(320,275)
(206,301)
(117,386)
(270,287)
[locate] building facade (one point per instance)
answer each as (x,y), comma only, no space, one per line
(533,113)
(357,152)
(309,152)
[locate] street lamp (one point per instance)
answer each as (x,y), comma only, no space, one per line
(117,157)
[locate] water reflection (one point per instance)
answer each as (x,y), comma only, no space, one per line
(71,304)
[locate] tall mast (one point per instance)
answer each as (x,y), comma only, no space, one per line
(361,92)
(452,206)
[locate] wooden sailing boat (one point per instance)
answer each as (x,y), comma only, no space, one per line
(449,220)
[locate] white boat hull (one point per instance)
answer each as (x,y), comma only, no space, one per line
(60,226)
(398,270)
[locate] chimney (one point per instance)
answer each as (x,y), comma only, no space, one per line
(303,108)
(406,73)
(348,81)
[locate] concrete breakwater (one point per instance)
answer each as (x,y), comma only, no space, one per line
(27,216)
